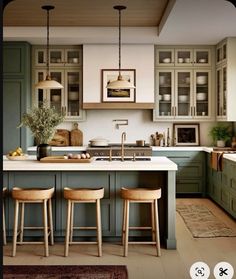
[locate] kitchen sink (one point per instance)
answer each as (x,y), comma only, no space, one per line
(125,159)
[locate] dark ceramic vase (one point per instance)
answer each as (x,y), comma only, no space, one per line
(43,150)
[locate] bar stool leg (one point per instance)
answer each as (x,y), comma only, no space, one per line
(15,228)
(72,221)
(66,250)
(51,222)
(153,222)
(157,229)
(126,229)
(45,221)
(123,225)
(4,225)
(22,221)
(99,229)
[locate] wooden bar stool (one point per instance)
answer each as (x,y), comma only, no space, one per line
(37,195)
(83,196)
(141,195)
(4,190)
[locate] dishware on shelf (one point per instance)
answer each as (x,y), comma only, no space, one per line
(180,60)
(75,60)
(183,98)
(160,97)
(166,60)
(203,113)
(73,96)
(202,60)
(161,80)
(187,60)
(201,96)
(187,80)
(56,98)
(201,80)
(166,97)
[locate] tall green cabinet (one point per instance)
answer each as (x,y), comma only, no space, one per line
(16,94)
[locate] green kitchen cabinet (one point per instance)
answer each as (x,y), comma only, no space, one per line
(16,94)
(190,176)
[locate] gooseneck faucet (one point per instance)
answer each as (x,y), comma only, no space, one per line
(123,138)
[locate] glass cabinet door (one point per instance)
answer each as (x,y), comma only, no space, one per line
(183,57)
(201,93)
(224,91)
(55,96)
(183,106)
(40,57)
(218,91)
(73,96)
(165,85)
(56,57)
(202,57)
(165,57)
(73,57)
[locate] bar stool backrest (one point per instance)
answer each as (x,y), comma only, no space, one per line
(140,193)
(35,194)
(83,194)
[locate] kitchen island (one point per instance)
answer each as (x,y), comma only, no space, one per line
(158,172)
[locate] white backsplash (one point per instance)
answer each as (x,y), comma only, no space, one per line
(99,123)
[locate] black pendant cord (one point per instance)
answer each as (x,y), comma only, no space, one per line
(119,42)
(47,62)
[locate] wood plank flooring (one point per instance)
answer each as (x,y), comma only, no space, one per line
(141,261)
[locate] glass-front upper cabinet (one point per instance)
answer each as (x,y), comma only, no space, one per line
(165,57)
(201,107)
(221,52)
(221,91)
(183,57)
(165,93)
(183,93)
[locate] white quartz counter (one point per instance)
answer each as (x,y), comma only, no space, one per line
(31,164)
(229,156)
(183,148)
(61,148)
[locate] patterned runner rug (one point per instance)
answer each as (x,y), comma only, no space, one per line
(202,222)
(65,272)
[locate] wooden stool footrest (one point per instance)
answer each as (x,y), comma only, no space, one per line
(142,242)
(83,242)
(29,242)
(140,228)
(84,228)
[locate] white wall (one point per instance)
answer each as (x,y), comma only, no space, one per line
(98,57)
(100,123)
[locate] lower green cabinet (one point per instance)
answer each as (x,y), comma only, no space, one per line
(190,176)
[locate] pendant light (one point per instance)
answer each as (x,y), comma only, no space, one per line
(120,83)
(48,83)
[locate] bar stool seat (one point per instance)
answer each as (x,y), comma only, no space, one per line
(82,195)
(33,195)
(4,191)
(141,195)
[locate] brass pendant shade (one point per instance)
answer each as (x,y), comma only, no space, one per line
(120,83)
(48,83)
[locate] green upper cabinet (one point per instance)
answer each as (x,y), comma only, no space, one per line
(16,94)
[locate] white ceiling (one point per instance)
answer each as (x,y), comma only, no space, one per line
(189,22)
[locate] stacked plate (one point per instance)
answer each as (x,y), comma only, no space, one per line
(201,96)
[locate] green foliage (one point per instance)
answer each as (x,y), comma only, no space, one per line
(221,132)
(42,122)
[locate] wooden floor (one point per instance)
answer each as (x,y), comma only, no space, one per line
(141,261)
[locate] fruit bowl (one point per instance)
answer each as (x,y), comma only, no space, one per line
(17,158)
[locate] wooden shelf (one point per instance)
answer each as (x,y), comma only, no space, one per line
(118,106)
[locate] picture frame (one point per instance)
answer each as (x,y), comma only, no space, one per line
(112,95)
(186,134)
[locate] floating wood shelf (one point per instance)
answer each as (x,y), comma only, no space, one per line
(118,106)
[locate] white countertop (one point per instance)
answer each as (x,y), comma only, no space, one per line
(31,164)
(62,148)
(229,156)
(183,148)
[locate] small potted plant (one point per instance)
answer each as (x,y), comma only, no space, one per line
(220,134)
(42,121)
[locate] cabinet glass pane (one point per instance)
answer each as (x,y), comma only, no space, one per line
(73,56)
(55,56)
(183,93)
(165,97)
(202,56)
(56,94)
(73,89)
(165,57)
(184,56)
(218,91)
(224,91)
(218,55)
(40,77)
(202,94)
(224,52)
(40,57)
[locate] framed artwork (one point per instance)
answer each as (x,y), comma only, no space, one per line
(114,95)
(186,134)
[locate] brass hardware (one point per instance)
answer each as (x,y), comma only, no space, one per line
(134,156)
(123,138)
(110,154)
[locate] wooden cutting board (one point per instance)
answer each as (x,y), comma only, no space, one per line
(61,138)
(76,136)
(61,159)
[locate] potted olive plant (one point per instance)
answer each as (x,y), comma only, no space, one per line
(42,122)
(220,134)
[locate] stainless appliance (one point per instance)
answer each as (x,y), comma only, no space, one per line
(129,149)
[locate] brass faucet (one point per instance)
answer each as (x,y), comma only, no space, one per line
(123,138)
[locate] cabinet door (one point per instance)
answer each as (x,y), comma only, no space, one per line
(202,57)
(40,57)
(73,57)
(221,91)
(202,82)
(183,57)
(221,53)
(183,90)
(224,90)
(165,93)
(218,91)
(56,57)
(73,93)
(165,57)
